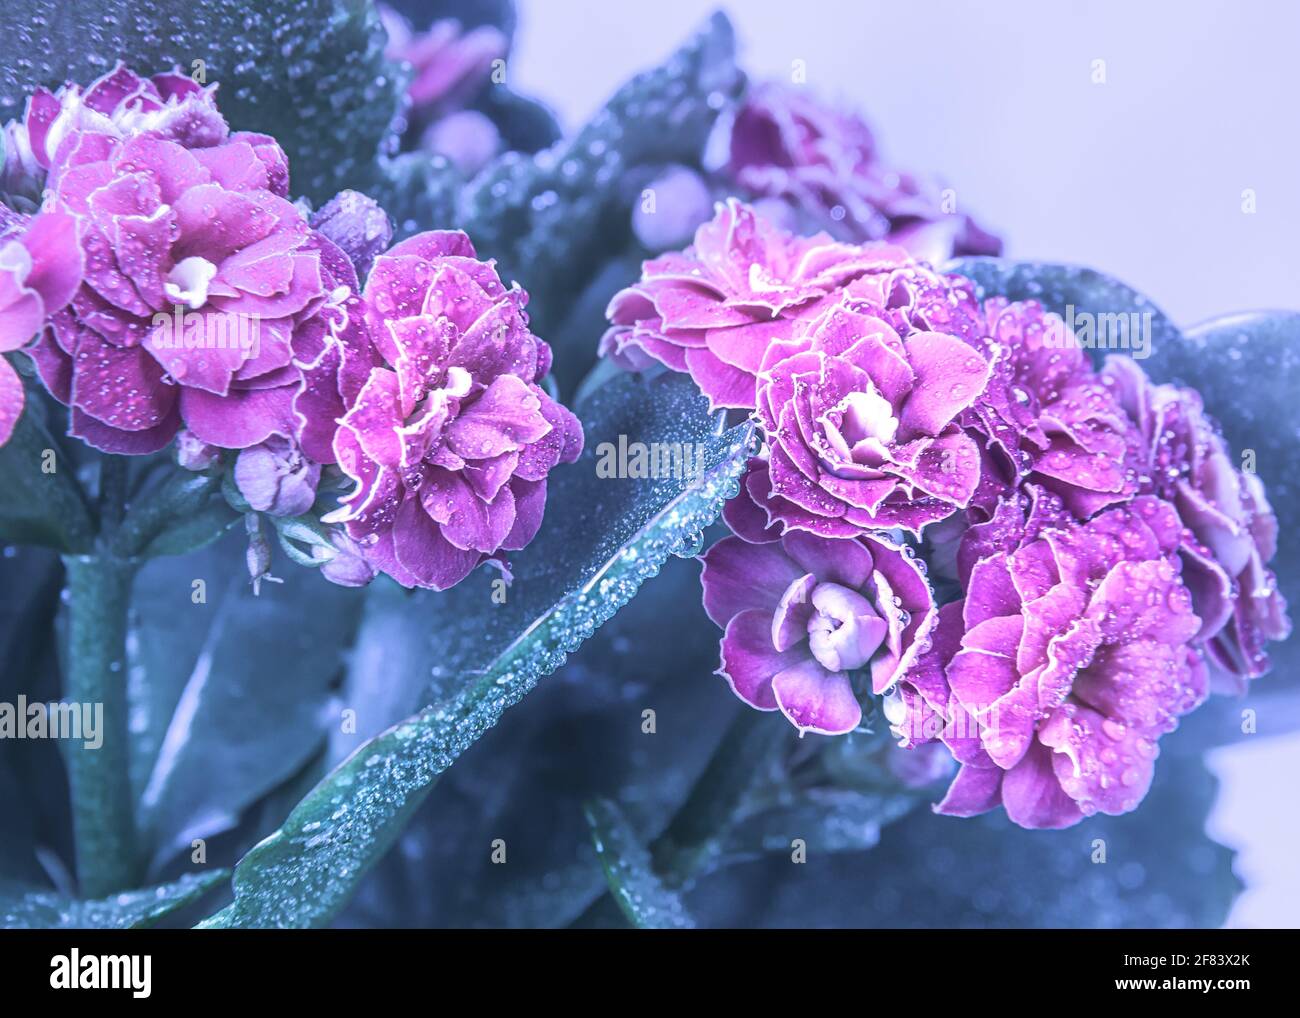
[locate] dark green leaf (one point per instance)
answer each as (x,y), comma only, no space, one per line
(229,696)
(23,907)
(1154,867)
(1061,287)
(40,499)
(641,896)
(182,512)
(583,734)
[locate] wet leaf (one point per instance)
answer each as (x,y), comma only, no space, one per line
(1153,868)
(1062,287)
(30,908)
(639,893)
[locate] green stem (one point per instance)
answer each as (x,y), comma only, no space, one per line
(103,808)
(114,473)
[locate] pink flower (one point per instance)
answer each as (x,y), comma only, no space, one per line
(714,309)
(198,271)
(804,615)
(862,423)
(274,477)
(450,66)
(1231,530)
(450,439)
(822,164)
(75,125)
(1053,680)
(40,270)
(1047,418)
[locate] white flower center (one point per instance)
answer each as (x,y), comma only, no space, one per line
(868,415)
(187,283)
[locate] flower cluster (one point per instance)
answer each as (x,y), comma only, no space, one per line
(810,165)
(168,291)
(1111,560)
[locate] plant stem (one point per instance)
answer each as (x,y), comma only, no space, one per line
(103,808)
(113,476)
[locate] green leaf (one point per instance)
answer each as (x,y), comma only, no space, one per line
(311,73)
(40,499)
(228,696)
(30,582)
(764,788)
(588,722)
(182,512)
(28,908)
(641,896)
(602,538)
(693,840)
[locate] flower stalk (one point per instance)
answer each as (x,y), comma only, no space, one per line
(103,811)
(99,600)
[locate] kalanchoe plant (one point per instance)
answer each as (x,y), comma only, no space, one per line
(962,553)
(1099,524)
(175,294)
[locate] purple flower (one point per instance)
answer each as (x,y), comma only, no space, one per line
(348,566)
(804,615)
(450,66)
(862,425)
(357,226)
(671,209)
(713,309)
(822,164)
(1231,530)
(1047,418)
(198,273)
(276,478)
(450,439)
(1053,680)
(74,126)
(40,270)
(467,138)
